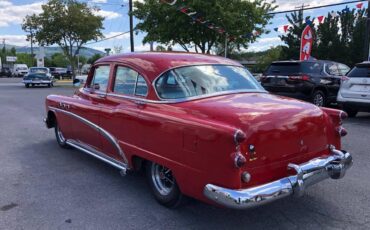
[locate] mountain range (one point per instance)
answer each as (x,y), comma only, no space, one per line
(49,51)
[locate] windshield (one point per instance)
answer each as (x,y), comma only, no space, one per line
(192,81)
(38,70)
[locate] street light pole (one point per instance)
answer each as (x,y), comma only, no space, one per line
(131,27)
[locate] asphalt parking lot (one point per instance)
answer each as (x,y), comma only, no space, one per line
(45,187)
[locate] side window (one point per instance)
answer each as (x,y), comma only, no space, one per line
(129,82)
(101,78)
(343,69)
(332,69)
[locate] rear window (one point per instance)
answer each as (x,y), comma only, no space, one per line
(363,71)
(294,68)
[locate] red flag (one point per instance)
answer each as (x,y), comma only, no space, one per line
(286,28)
(320,18)
(306,44)
(359,6)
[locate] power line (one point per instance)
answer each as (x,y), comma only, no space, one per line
(317,7)
(104,39)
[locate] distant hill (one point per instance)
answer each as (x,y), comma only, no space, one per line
(49,51)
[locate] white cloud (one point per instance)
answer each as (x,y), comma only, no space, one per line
(264,44)
(17,40)
(14,14)
(292,4)
(107,14)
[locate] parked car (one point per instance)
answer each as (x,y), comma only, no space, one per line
(354,93)
(20,70)
(5,72)
(38,76)
(60,73)
(201,126)
(314,81)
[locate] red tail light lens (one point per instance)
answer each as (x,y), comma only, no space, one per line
(239,136)
(343,115)
(239,160)
(342,131)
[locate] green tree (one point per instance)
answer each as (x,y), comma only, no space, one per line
(94,58)
(166,25)
(292,39)
(68,23)
(273,54)
(59,60)
(24,58)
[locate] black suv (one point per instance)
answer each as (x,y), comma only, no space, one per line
(5,72)
(315,81)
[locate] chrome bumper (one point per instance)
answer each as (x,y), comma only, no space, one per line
(309,173)
(37,82)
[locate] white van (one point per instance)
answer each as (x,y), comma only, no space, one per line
(20,70)
(354,93)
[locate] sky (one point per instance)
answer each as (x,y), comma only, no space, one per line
(116,21)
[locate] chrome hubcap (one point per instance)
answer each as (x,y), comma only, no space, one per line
(318,100)
(162,179)
(60,135)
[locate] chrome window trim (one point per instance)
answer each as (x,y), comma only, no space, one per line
(202,96)
(137,79)
(104,132)
(174,101)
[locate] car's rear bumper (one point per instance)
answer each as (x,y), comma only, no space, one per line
(309,173)
(356,103)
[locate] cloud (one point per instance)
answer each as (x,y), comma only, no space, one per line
(264,44)
(292,4)
(14,14)
(17,40)
(107,14)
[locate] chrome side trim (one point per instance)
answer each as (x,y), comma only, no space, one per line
(334,166)
(175,101)
(119,165)
(105,133)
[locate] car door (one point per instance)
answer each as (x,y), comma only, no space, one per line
(331,78)
(120,111)
(87,109)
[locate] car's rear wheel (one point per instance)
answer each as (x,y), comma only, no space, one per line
(163,185)
(49,85)
(319,98)
(60,137)
(27,85)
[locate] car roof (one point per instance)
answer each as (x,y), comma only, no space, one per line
(152,64)
(298,61)
(363,64)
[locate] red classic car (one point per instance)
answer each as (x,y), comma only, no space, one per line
(200,126)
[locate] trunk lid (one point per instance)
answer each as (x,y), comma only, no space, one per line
(279,128)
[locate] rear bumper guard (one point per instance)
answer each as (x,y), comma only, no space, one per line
(334,166)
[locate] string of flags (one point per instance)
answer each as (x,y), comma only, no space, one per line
(320,19)
(197,17)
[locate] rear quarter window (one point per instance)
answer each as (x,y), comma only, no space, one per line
(363,71)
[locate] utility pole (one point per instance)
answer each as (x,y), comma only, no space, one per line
(226,36)
(302,7)
(131,27)
(367,35)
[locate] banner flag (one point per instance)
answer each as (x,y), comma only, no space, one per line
(306,44)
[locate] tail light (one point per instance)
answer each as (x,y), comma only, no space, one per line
(342,131)
(239,136)
(303,77)
(239,160)
(344,78)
